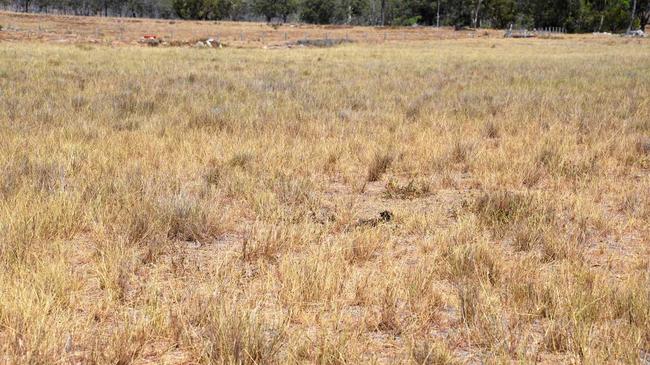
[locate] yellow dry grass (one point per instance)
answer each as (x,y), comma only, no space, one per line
(222,206)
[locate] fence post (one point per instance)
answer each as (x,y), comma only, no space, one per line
(286,36)
(241,36)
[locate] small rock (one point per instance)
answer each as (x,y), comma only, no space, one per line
(635,33)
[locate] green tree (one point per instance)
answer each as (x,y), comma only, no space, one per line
(318,11)
(201,9)
(644,13)
(501,12)
(275,8)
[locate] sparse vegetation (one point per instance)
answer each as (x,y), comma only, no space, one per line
(417,202)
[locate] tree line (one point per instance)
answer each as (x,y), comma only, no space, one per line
(572,15)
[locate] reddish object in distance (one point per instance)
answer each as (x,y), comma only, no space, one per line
(150,36)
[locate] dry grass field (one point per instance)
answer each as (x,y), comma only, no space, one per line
(128,31)
(217,206)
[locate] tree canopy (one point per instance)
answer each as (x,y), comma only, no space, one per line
(573,15)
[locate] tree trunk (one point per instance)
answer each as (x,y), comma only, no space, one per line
(383,12)
(478,8)
(629,29)
(438,15)
(600,25)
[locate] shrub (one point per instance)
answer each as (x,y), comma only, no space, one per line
(411,190)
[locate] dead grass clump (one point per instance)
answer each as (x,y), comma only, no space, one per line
(527,237)
(187,219)
(123,345)
(460,152)
(560,248)
(581,167)
(40,176)
(642,146)
(78,102)
(129,103)
(11,179)
(37,220)
(416,108)
(364,245)
(331,162)
(636,204)
(549,157)
(225,333)
(315,278)
(331,347)
(293,192)
(212,119)
(379,165)
(142,224)
(113,269)
(241,159)
(552,160)
(411,190)
(236,337)
(474,261)
(431,353)
(126,125)
(631,300)
(270,242)
(213,174)
(480,311)
(389,319)
(532,176)
(423,298)
(499,210)
(491,130)
(566,336)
